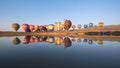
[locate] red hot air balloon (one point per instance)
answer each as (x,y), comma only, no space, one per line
(73,26)
(25,27)
(31,27)
(67,24)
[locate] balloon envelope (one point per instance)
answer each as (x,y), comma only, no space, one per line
(31,27)
(79,26)
(67,24)
(25,27)
(101,24)
(67,42)
(15,26)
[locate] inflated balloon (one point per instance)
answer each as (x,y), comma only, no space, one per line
(67,24)
(50,27)
(79,26)
(67,42)
(90,24)
(73,26)
(26,27)
(85,26)
(36,28)
(15,26)
(61,27)
(57,26)
(31,27)
(101,24)
(16,41)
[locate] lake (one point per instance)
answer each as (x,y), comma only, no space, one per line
(58,52)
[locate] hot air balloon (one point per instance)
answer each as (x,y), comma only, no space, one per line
(15,26)
(36,28)
(85,26)
(61,27)
(57,26)
(26,27)
(67,42)
(101,24)
(50,27)
(16,41)
(90,24)
(67,24)
(79,26)
(31,27)
(73,26)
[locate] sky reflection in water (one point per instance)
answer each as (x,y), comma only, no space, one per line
(43,51)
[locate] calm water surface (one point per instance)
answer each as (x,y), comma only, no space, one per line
(58,52)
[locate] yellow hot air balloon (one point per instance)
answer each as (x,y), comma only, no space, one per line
(101,24)
(15,26)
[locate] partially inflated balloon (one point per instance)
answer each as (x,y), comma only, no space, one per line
(15,26)
(67,24)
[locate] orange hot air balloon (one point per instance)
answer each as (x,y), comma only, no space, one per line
(16,41)
(31,27)
(67,24)
(73,26)
(101,24)
(36,27)
(15,26)
(67,42)
(26,27)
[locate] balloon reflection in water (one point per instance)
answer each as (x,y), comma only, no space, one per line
(85,40)
(73,39)
(100,42)
(50,39)
(90,41)
(26,40)
(43,38)
(78,40)
(16,41)
(67,42)
(58,40)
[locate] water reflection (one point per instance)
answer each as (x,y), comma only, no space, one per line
(58,40)
(16,41)
(67,42)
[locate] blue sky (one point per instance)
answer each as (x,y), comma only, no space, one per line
(43,12)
